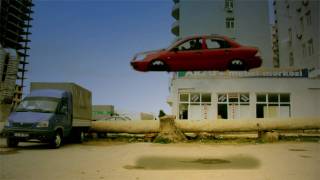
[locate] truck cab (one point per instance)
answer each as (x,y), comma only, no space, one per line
(45,115)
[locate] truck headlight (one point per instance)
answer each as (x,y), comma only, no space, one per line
(43,124)
(7,124)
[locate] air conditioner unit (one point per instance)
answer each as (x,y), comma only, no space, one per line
(299,9)
(229,9)
(299,36)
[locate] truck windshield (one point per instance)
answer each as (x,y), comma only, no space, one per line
(38,104)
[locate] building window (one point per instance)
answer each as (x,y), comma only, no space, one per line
(229,22)
(229,4)
(290,36)
(288,10)
(233,105)
(196,106)
(291,59)
(308,17)
(273,105)
(310,47)
(304,50)
(301,24)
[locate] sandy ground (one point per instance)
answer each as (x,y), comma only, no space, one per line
(119,160)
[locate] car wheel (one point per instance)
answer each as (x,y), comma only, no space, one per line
(11,142)
(56,140)
(158,65)
(237,64)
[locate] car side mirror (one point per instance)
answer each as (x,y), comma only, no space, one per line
(175,49)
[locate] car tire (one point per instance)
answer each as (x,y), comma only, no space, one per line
(56,141)
(237,64)
(12,142)
(158,65)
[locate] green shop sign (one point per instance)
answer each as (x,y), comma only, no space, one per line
(102,112)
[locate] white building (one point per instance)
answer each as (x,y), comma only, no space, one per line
(239,95)
(291,91)
(298,25)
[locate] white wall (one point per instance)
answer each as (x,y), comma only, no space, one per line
(290,18)
(251,22)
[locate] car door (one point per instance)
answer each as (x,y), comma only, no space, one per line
(217,54)
(186,56)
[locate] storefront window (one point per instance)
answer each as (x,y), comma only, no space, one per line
(271,105)
(194,106)
(184,97)
(195,97)
(206,98)
(233,105)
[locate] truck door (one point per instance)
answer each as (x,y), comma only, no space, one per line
(63,118)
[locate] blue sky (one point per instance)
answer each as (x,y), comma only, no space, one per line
(91,43)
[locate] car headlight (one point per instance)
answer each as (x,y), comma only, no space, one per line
(43,124)
(140,57)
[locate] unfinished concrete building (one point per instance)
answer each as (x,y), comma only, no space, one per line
(15,18)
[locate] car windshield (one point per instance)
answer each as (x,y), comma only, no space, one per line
(38,104)
(175,43)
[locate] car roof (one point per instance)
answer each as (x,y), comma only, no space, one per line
(205,36)
(183,39)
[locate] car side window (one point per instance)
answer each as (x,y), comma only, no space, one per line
(216,44)
(192,44)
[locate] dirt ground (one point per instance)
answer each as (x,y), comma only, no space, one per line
(103,159)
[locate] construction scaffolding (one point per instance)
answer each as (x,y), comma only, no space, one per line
(15,18)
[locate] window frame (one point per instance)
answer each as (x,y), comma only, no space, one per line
(278,103)
(235,103)
(190,102)
(230,22)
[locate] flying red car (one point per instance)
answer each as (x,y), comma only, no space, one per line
(199,53)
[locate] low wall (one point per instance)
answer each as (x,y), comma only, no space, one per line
(209,126)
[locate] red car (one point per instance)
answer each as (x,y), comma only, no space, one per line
(199,53)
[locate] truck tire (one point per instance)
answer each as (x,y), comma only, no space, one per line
(56,141)
(11,142)
(80,136)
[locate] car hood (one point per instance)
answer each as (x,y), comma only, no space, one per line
(148,53)
(29,117)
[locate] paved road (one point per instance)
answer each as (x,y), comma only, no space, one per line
(116,160)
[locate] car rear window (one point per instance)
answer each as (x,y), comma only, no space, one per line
(217,44)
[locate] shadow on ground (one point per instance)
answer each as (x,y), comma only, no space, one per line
(188,163)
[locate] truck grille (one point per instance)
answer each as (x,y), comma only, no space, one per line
(22,125)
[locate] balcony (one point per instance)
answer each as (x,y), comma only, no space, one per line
(176,11)
(175,28)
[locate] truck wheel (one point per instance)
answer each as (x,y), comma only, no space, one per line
(11,142)
(81,136)
(56,141)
